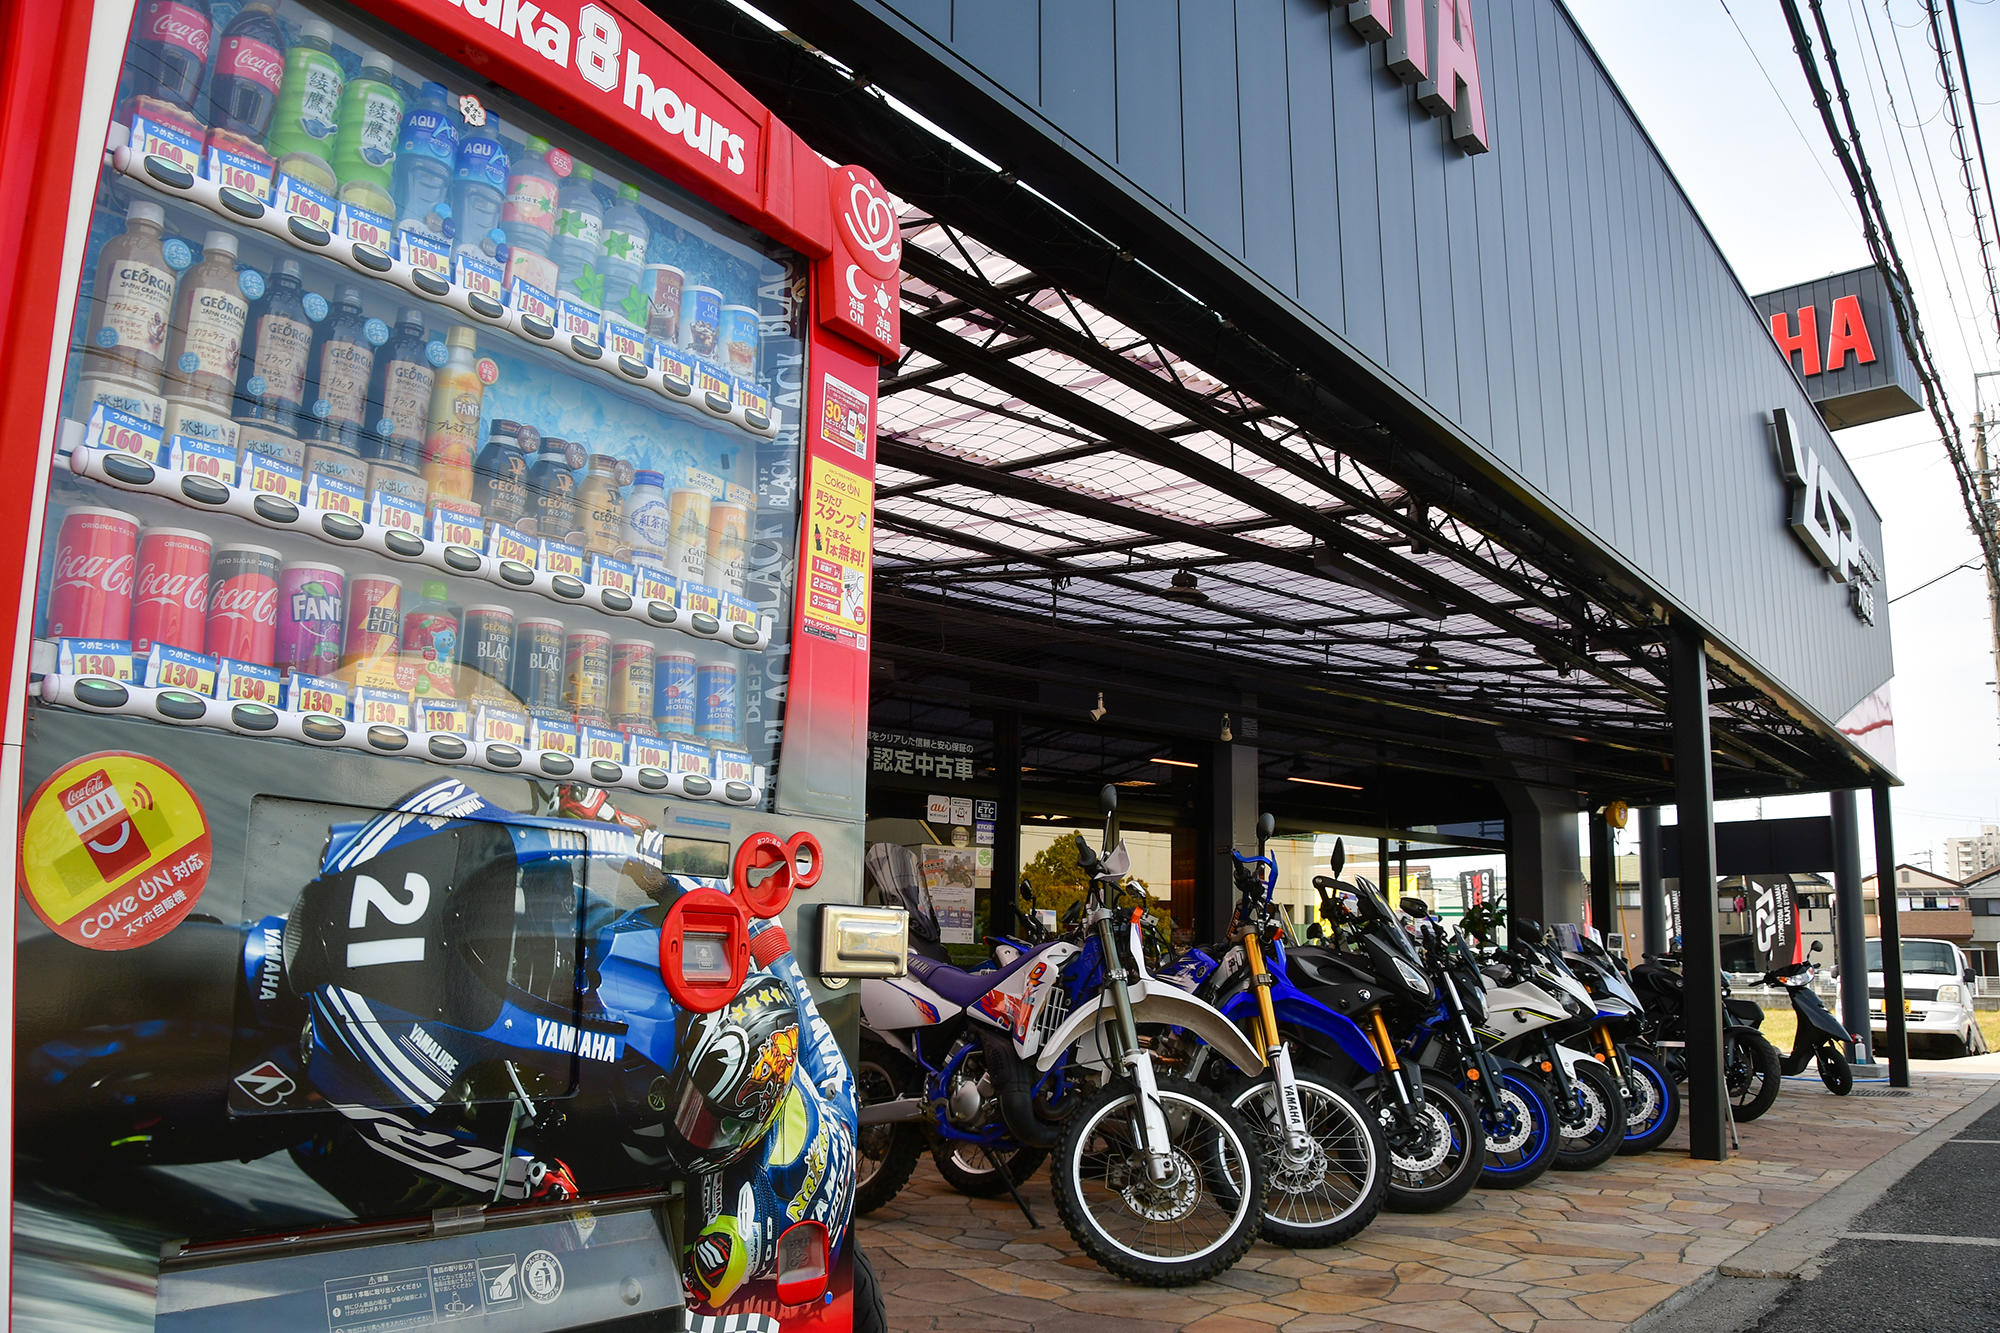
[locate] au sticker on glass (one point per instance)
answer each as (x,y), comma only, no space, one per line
(114,851)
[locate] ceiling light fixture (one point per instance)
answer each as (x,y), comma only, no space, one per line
(1178,763)
(1428,658)
(1184,587)
(1322,782)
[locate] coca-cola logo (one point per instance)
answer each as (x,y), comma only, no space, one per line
(180,26)
(252,60)
(108,573)
(165,587)
(245,601)
(870,221)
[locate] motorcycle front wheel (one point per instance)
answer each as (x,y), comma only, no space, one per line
(1594,1124)
(1335,1188)
(884,1155)
(1435,1155)
(1751,1070)
(1193,1224)
(1652,1103)
(1521,1141)
(1835,1072)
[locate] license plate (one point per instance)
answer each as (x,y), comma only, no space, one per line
(1878,1007)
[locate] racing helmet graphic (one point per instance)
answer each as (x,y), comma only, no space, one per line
(734,1068)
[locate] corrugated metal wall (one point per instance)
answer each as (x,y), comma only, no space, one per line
(1556,299)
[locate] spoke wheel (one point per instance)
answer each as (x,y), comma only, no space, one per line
(1332,1190)
(884,1155)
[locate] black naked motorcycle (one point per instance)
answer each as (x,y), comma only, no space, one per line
(1750,1065)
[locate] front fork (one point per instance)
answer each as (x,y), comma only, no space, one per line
(1277,1050)
(1136,1060)
(1481,1070)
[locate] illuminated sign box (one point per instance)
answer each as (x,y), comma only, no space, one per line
(1840,335)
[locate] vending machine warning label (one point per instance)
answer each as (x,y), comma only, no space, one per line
(838,557)
(114,851)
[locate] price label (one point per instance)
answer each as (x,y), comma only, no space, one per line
(457,527)
(398,514)
(734,766)
(364,227)
(109,428)
(178,669)
(688,757)
(377,707)
(240,171)
(562,558)
(655,585)
(700,597)
(203,458)
(621,339)
(426,254)
(153,138)
(448,716)
(331,495)
(601,743)
(577,320)
(672,362)
(307,201)
(608,573)
(558,736)
(506,543)
(316,694)
(477,275)
(271,476)
(650,752)
(712,383)
(531,300)
(504,726)
(738,610)
(110,658)
(248,681)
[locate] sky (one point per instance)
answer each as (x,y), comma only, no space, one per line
(1774,197)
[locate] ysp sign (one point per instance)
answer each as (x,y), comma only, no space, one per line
(1822,518)
(1430,43)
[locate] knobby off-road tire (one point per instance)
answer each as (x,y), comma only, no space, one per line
(1104,1193)
(965,1168)
(884,1155)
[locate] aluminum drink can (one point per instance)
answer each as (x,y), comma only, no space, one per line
(170,596)
(740,334)
(538,664)
(687,535)
(673,692)
(487,649)
(374,626)
(727,526)
(701,321)
(631,682)
(90,595)
(243,604)
(587,674)
(715,702)
(312,600)
(662,286)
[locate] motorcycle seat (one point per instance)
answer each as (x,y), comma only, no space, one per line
(964,988)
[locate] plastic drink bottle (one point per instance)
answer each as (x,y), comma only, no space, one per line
(624,261)
(579,237)
(134,301)
(553,486)
(364,147)
(430,641)
(169,53)
(426,151)
(529,214)
(451,436)
(209,314)
(501,475)
(249,71)
(343,365)
(308,114)
(405,379)
(478,189)
(271,388)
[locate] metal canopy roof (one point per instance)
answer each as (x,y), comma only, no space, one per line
(1090,480)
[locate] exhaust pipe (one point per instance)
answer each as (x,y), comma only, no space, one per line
(1017,1102)
(903,1110)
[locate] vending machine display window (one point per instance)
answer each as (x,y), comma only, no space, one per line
(399,421)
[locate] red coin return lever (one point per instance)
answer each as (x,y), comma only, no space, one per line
(793,864)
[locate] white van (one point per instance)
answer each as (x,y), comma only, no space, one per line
(1937,997)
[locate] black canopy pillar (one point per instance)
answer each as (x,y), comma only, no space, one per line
(1701,965)
(1652,891)
(1603,875)
(1898,1043)
(1227,820)
(1850,932)
(1007,822)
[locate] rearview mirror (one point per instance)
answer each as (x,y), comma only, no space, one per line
(1414,905)
(1339,858)
(1107,799)
(1267,824)
(1969,975)
(1817,947)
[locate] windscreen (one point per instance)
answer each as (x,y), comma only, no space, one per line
(1920,957)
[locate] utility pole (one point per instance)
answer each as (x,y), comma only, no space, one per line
(1983,475)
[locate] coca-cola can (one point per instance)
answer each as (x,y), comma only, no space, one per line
(170,600)
(243,604)
(311,597)
(90,593)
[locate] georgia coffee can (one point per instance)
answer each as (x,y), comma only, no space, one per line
(538,664)
(486,646)
(374,617)
(673,692)
(243,604)
(587,674)
(631,682)
(90,596)
(312,600)
(170,596)
(715,703)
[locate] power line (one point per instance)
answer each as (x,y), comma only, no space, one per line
(1783,105)
(1971,110)
(1964,157)
(1882,248)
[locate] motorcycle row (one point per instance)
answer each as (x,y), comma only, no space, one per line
(1190,1101)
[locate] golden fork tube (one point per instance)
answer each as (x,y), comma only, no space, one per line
(1382,1042)
(1610,1049)
(1255,954)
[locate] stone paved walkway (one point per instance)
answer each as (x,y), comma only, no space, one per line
(1575,1251)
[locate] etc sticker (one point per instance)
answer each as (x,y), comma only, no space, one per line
(114,851)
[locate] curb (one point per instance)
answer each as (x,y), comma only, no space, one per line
(1790,1251)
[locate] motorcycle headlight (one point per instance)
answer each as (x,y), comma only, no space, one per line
(1950,995)
(1417,982)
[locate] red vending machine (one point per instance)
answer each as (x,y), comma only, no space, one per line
(439,441)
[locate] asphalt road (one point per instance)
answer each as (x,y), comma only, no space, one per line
(1923,1257)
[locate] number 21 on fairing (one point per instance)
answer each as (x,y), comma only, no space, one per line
(400,911)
